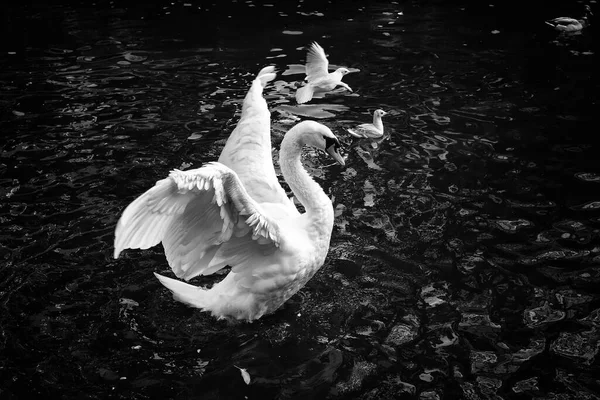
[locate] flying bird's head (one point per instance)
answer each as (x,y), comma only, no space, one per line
(343,71)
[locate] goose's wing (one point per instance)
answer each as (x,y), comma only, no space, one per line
(195,214)
(316,63)
(248,150)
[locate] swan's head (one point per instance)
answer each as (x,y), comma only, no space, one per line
(343,71)
(317,135)
(379,113)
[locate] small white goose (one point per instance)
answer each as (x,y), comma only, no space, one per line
(234,212)
(318,77)
(570,25)
(373,131)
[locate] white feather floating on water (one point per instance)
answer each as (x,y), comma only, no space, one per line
(245,374)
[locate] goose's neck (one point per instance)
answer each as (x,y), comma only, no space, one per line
(306,190)
(377,122)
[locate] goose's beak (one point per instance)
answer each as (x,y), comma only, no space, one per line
(333,151)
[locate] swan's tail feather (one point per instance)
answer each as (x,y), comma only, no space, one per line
(304,94)
(184,292)
(266,75)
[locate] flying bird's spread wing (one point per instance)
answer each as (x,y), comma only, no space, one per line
(316,63)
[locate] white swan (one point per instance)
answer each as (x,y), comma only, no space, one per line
(568,24)
(319,79)
(234,212)
(374,130)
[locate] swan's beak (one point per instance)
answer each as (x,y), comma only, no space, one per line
(332,146)
(333,152)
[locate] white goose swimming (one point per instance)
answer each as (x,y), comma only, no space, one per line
(570,25)
(319,79)
(234,212)
(373,131)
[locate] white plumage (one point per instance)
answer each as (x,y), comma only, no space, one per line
(234,212)
(318,77)
(571,25)
(373,131)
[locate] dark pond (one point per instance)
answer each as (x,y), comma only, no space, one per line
(465,258)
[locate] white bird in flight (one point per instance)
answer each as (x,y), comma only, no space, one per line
(319,79)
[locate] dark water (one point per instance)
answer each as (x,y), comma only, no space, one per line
(465,261)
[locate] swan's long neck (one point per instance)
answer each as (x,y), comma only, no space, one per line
(377,122)
(306,190)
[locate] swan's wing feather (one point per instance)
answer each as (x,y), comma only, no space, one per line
(316,63)
(193,213)
(240,252)
(144,221)
(248,150)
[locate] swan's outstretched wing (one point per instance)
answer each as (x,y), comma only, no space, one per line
(316,63)
(195,214)
(248,149)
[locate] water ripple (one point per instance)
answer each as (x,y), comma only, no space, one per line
(464,251)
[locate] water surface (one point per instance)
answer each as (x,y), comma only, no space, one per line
(465,256)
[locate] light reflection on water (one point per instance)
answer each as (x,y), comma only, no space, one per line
(464,260)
